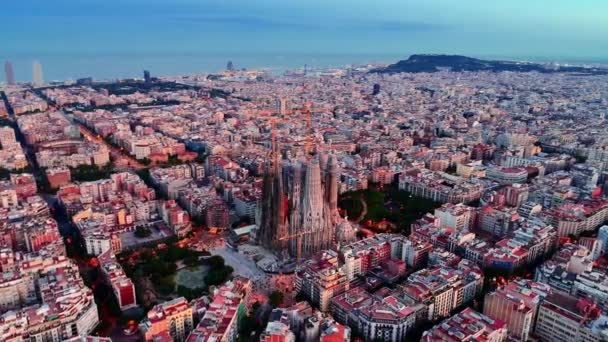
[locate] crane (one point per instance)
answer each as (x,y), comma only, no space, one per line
(273,139)
(309,139)
(298,242)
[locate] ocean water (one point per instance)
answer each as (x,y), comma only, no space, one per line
(110,66)
(109,39)
(115,66)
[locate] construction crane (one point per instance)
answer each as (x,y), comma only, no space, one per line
(298,236)
(273,138)
(308,149)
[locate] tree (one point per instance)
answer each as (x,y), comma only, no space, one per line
(276,298)
(142,232)
(191,261)
(201,157)
(85,173)
(218,276)
(6,173)
(215,261)
(189,293)
(352,206)
(173,160)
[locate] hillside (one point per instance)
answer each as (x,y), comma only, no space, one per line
(434,63)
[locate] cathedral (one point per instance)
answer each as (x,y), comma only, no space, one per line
(299,210)
(273,212)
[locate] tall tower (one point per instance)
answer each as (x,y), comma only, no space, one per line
(299,205)
(332,174)
(9,73)
(37,76)
(281,201)
(312,208)
(273,220)
(295,201)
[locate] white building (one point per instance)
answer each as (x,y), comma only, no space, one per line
(97,244)
(457,216)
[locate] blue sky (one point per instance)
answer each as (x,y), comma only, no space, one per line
(145,29)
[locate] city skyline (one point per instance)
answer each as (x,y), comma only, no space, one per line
(382,203)
(200,36)
(304,171)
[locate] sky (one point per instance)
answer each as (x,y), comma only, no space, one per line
(119,38)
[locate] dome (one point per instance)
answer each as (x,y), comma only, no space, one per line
(345,232)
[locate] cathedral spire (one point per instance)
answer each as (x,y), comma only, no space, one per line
(273,141)
(274,209)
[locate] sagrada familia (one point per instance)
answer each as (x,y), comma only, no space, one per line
(299,210)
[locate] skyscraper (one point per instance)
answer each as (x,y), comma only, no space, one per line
(147,76)
(37,77)
(9,74)
(230,66)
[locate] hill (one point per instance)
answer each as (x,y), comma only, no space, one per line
(456,63)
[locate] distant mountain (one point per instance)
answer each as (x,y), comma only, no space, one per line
(434,63)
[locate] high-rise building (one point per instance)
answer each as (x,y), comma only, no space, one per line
(9,73)
(147,76)
(37,76)
(230,66)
